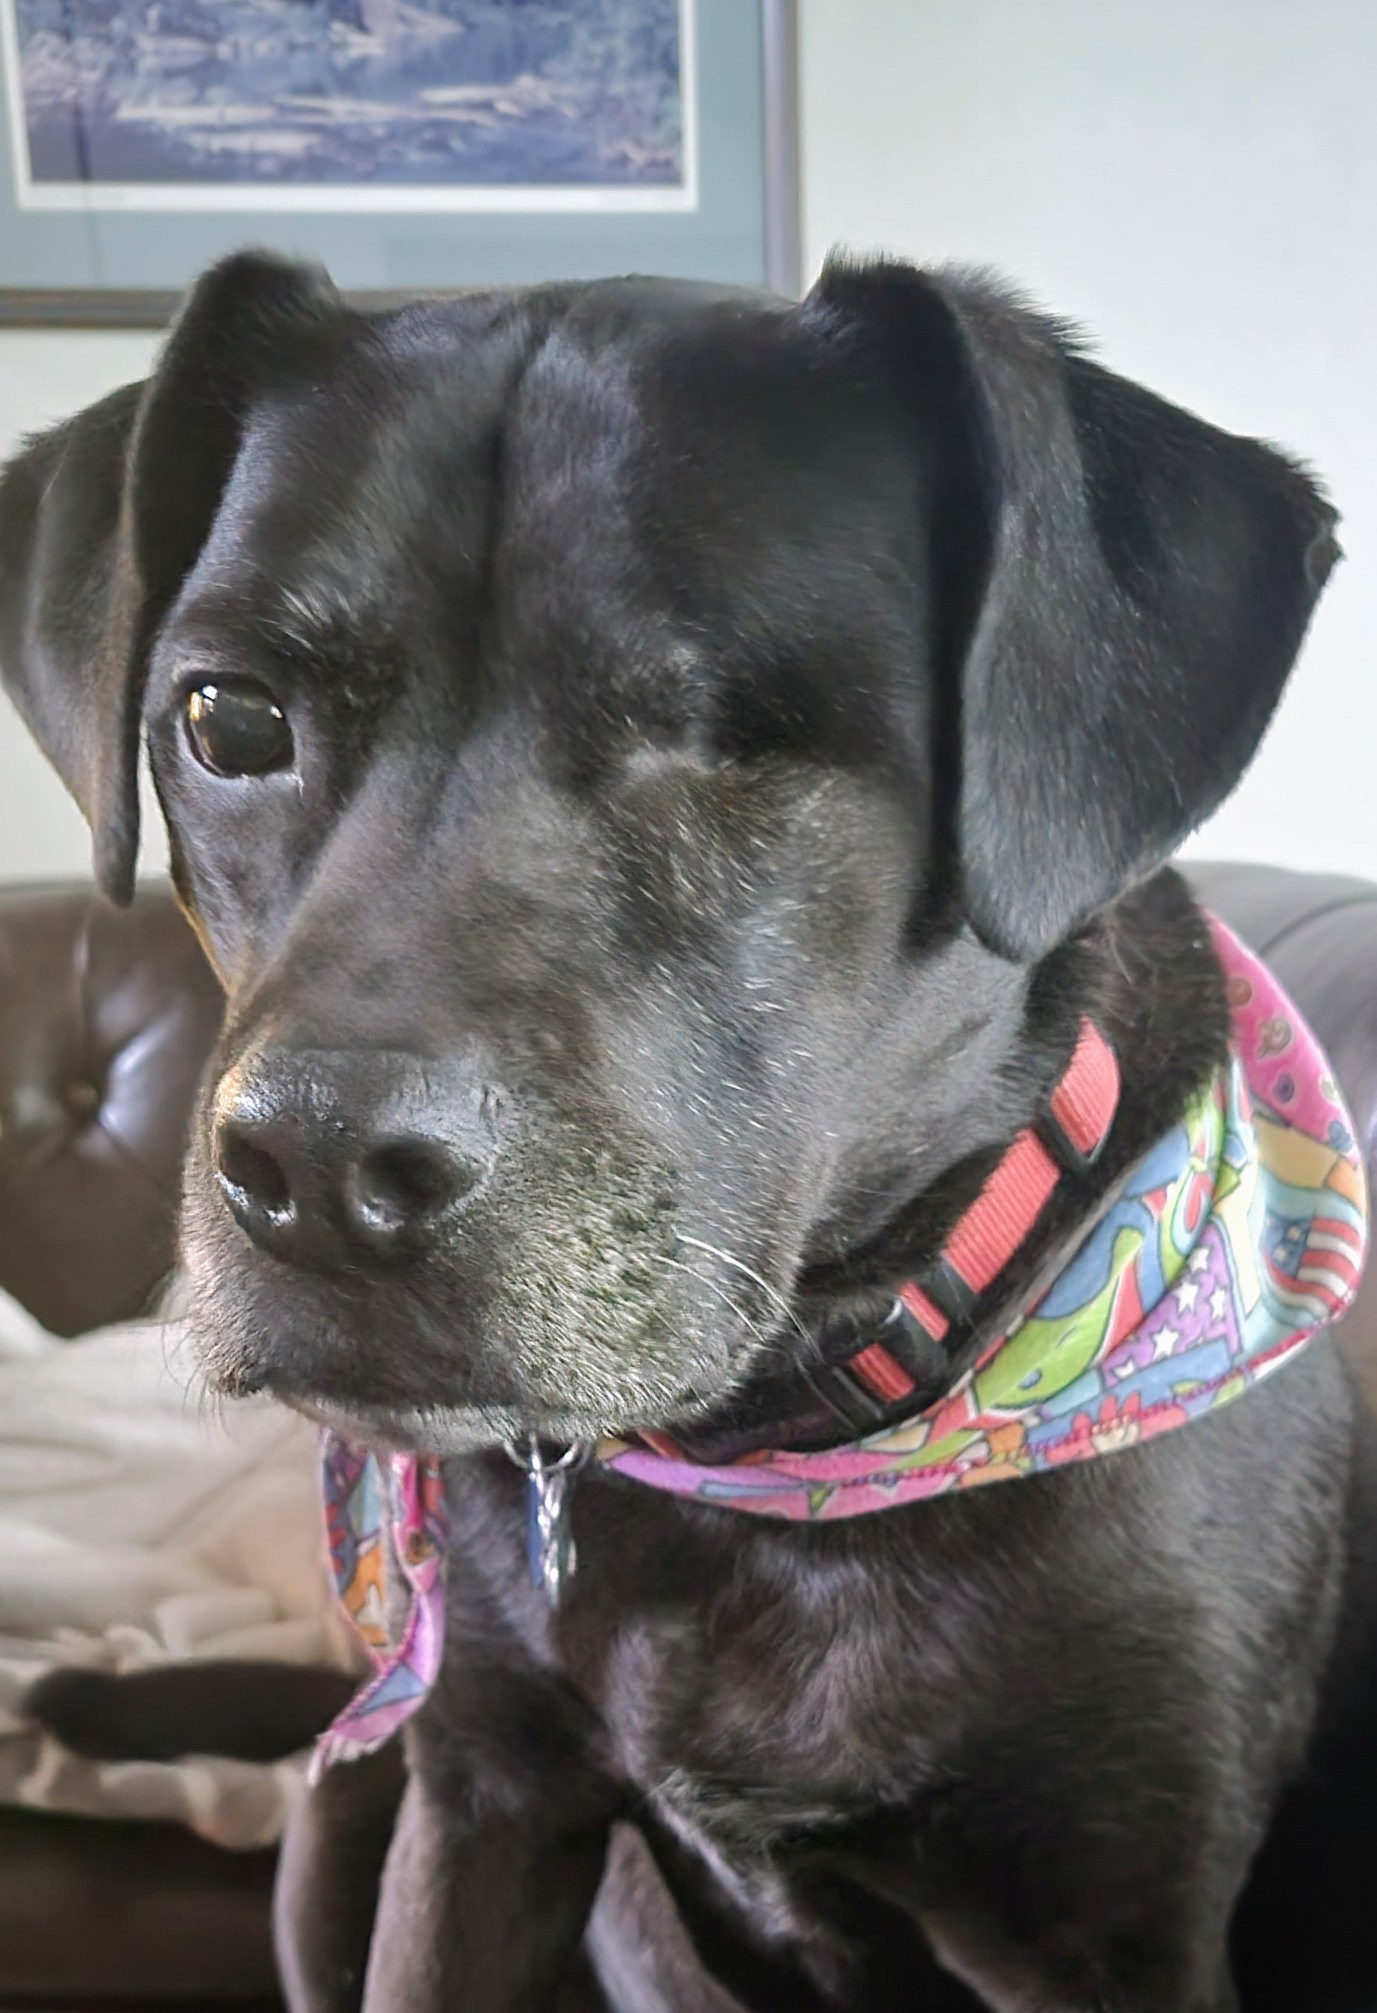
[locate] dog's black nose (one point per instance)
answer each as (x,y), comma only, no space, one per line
(338,1160)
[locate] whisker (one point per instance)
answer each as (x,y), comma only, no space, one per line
(771,1293)
(721,1292)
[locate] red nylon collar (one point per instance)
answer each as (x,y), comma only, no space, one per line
(1070,1132)
(866,1385)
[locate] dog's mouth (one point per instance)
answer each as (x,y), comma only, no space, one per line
(569,1303)
(456,1430)
(461,1414)
(394,1375)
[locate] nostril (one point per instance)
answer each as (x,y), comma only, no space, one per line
(254,1174)
(407,1181)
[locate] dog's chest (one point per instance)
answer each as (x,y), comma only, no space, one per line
(744,1742)
(766,1701)
(748,1691)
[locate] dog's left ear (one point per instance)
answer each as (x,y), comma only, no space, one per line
(1119,591)
(102,518)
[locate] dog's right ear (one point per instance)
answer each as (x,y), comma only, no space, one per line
(1117,592)
(103,517)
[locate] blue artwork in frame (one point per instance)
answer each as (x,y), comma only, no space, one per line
(411,145)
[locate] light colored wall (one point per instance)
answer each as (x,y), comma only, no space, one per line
(1195,180)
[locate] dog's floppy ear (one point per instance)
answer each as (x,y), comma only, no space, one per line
(102,518)
(1122,590)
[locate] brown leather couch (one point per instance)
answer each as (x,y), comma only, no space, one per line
(105,1019)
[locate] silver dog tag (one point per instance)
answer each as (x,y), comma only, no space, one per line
(550,1551)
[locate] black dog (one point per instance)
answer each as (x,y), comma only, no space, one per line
(661,773)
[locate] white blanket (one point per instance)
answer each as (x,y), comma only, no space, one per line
(141,1525)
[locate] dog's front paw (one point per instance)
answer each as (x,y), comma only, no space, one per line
(84,1710)
(240,1711)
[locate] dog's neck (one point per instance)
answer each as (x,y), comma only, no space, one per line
(1145,967)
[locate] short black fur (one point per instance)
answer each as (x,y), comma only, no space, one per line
(734,743)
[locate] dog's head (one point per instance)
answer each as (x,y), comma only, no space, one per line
(625,749)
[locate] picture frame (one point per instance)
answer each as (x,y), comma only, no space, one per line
(411,146)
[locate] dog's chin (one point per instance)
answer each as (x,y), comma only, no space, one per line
(455,1430)
(469,1392)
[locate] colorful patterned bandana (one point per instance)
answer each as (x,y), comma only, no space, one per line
(385,1531)
(1223,1251)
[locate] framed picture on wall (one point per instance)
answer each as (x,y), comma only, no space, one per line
(410,145)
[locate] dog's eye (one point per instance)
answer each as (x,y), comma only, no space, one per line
(237,728)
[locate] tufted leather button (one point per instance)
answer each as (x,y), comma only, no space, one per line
(82,1101)
(106,1019)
